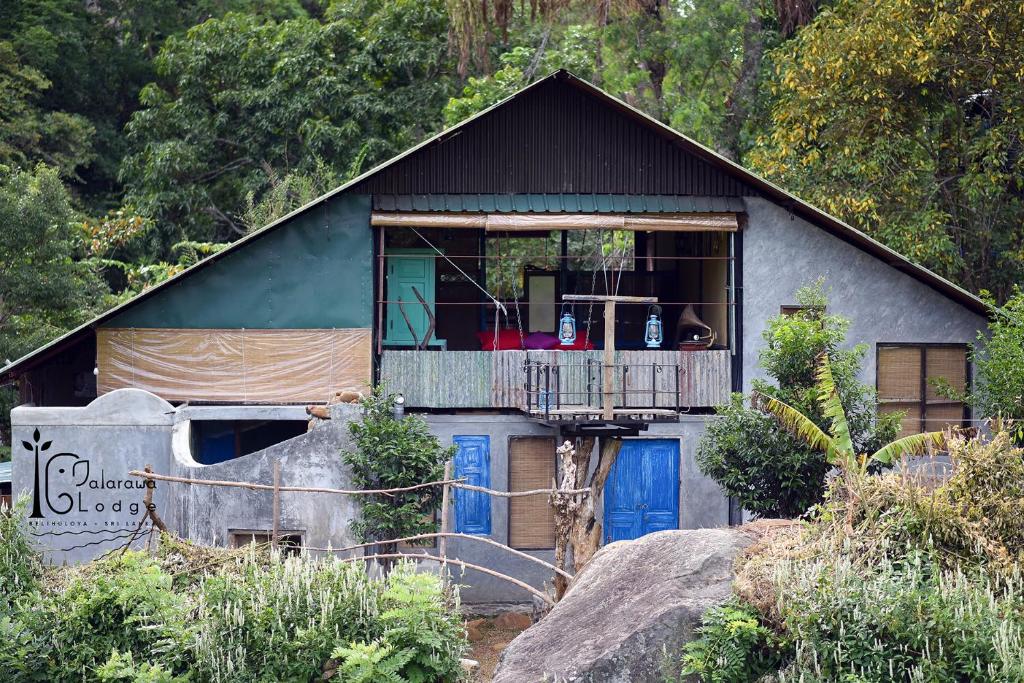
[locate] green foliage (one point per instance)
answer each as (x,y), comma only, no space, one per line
(256,618)
(905,620)
(122,667)
(902,117)
(287,194)
(390,454)
(44,286)
(20,566)
(733,646)
(772,472)
(987,487)
(242,99)
(752,458)
(998,361)
(418,636)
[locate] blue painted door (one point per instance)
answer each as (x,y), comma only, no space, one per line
(642,491)
(473,463)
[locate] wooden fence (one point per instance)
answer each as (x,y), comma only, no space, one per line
(497,379)
(445,533)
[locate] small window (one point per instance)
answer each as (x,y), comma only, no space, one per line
(531,465)
(793,309)
(289,542)
(910,379)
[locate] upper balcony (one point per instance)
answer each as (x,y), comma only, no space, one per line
(469,310)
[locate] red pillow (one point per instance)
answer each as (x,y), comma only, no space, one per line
(507,340)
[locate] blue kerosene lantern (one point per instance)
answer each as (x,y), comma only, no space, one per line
(567,329)
(653,332)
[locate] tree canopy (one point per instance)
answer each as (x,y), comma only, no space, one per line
(192,122)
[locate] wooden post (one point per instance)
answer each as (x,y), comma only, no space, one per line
(442,543)
(608,383)
(608,404)
(276,529)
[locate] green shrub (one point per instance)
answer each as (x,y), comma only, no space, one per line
(751,456)
(908,620)
(987,487)
(998,360)
(419,635)
(20,566)
(733,647)
(283,621)
(122,604)
(253,619)
(394,453)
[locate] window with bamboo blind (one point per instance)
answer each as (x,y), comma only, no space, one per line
(910,378)
(531,465)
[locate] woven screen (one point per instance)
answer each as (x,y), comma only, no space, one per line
(900,385)
(531,465)
(259,366)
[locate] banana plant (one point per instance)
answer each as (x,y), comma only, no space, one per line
(838,443)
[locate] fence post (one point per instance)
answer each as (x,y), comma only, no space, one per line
(442,543)
(276,528)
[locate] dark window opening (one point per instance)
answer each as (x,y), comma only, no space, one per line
(289,542)
(216,441)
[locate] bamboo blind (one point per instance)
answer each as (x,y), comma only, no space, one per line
(259,366)
(901,386)
(531,465)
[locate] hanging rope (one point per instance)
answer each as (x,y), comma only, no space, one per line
(497,303)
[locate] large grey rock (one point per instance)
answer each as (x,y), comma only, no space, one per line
(635,602)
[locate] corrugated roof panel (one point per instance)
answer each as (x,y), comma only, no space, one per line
(556,203)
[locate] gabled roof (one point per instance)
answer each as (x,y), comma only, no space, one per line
(741,175)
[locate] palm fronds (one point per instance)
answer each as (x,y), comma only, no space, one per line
(915,444)
(797,423)
(832,407)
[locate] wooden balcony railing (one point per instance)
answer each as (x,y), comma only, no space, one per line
(499,379)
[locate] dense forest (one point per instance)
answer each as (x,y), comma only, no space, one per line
(138,137)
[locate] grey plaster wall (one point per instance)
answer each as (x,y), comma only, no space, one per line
(702,503)
(210,515)
(88,504)
(782,253)
(128,429)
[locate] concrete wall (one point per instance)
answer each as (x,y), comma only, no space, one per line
(702,503)
(87,503)
(129,428)
(209,515)
(781,253)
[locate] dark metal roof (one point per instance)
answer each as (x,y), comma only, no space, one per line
(553,139)
(556,203)
(729,179)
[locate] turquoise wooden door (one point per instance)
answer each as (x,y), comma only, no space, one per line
(473,463)
(406,269)
(642,492)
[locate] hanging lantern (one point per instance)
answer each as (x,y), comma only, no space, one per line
(567,329)
(653,334)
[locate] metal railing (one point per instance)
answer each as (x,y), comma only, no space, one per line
(554,386)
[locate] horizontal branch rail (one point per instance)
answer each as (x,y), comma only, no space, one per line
(469,537)
(457,483)
(293,489)
(447,560)
(513,494)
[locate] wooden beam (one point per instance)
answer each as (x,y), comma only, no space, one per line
(613,299)
(532,222)
(608,403)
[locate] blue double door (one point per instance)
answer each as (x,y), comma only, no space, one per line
(641,494)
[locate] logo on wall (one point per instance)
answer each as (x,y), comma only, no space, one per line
(59,481)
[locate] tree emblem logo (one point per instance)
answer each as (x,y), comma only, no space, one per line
(37,448)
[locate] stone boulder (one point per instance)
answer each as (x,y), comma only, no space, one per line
(633,603)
